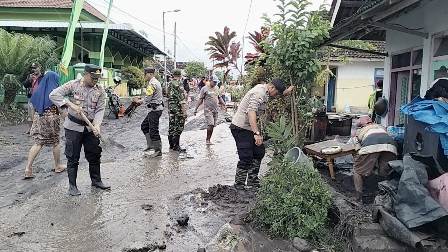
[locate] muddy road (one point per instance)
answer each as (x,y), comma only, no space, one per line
(147,198)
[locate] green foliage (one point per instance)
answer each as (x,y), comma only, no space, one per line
(17,53)
(12,115)
(280,132)
(293,201)
(195,69)
(134,76)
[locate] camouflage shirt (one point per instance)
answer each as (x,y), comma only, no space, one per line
(91,99)
(176,98)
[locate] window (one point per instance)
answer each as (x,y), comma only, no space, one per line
(401,60)
(405,82)
(379,74)
(441,46)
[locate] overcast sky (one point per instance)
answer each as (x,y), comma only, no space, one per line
(197,20)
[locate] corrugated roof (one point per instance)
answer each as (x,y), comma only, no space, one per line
(60,4)
(124,29)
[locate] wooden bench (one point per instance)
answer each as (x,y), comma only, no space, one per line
(316,150)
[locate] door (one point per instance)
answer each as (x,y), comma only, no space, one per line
(331,93)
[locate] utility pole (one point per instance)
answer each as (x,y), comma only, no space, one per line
(164,49)
(164,42)
(175,38)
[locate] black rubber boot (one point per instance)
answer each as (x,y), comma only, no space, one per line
(157,149)
(241,175)
(176,147)
(72,172)
(149,144)
(252,176)
(170,140)
(95,177)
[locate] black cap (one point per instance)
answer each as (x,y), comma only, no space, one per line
(94,70)
(279,85)
(149,70)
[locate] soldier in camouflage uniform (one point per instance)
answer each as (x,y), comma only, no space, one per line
(177,107)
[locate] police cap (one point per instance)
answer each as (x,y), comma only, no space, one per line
(149,70)
(92,69)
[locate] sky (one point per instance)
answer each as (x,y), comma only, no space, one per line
(196,21)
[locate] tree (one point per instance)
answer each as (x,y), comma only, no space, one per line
(257,40)
(297,34)
(134,76)
(195,69)
(17,53)
(224,50)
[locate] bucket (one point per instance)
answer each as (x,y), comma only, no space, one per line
(295,155)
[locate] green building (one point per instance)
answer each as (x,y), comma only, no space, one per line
(124,45)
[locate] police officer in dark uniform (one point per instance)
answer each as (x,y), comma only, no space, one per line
(84,96)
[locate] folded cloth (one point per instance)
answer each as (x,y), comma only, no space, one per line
(439,190)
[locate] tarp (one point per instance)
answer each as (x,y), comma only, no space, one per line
(434,113)
(414,205)
(405,209)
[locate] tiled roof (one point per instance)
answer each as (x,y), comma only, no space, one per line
(337,53)
(379,47)
(60,4)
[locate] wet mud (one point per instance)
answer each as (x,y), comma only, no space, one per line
(148,196)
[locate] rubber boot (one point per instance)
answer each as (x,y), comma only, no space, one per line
(148,142)
(252,177)
(176,144)
(95,177)
(157,149)
(72,172)
(241,175)
(170,140)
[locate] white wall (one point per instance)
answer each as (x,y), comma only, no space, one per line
(354,84)
(432,16)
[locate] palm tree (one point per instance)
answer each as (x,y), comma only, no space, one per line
(224,51)
(17,53)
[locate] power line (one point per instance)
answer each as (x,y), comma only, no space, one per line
(154,27)
(244,32)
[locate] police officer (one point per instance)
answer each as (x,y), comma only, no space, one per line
(177,106)
(84,96)
(245,131)
(154,102)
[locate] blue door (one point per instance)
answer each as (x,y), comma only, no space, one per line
(331,92)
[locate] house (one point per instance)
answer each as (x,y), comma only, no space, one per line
(354,76)
(124,45)
(416,36)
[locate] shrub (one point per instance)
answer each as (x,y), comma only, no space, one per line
(134,76)
(293,201)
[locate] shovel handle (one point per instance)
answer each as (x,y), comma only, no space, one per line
(89,123)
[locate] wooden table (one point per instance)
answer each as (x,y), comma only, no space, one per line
(316,150)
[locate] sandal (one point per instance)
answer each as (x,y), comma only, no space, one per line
(61,169)
(28,175)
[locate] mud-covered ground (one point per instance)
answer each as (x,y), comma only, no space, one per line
(147,198)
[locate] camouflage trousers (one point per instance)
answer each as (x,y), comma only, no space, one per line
(250,156)
(176,124)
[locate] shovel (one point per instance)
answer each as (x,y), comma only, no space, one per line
(104,141)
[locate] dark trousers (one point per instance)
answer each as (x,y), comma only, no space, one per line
(250,156)
(92,151)
(151,125)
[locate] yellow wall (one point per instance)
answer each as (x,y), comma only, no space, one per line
(354,84)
